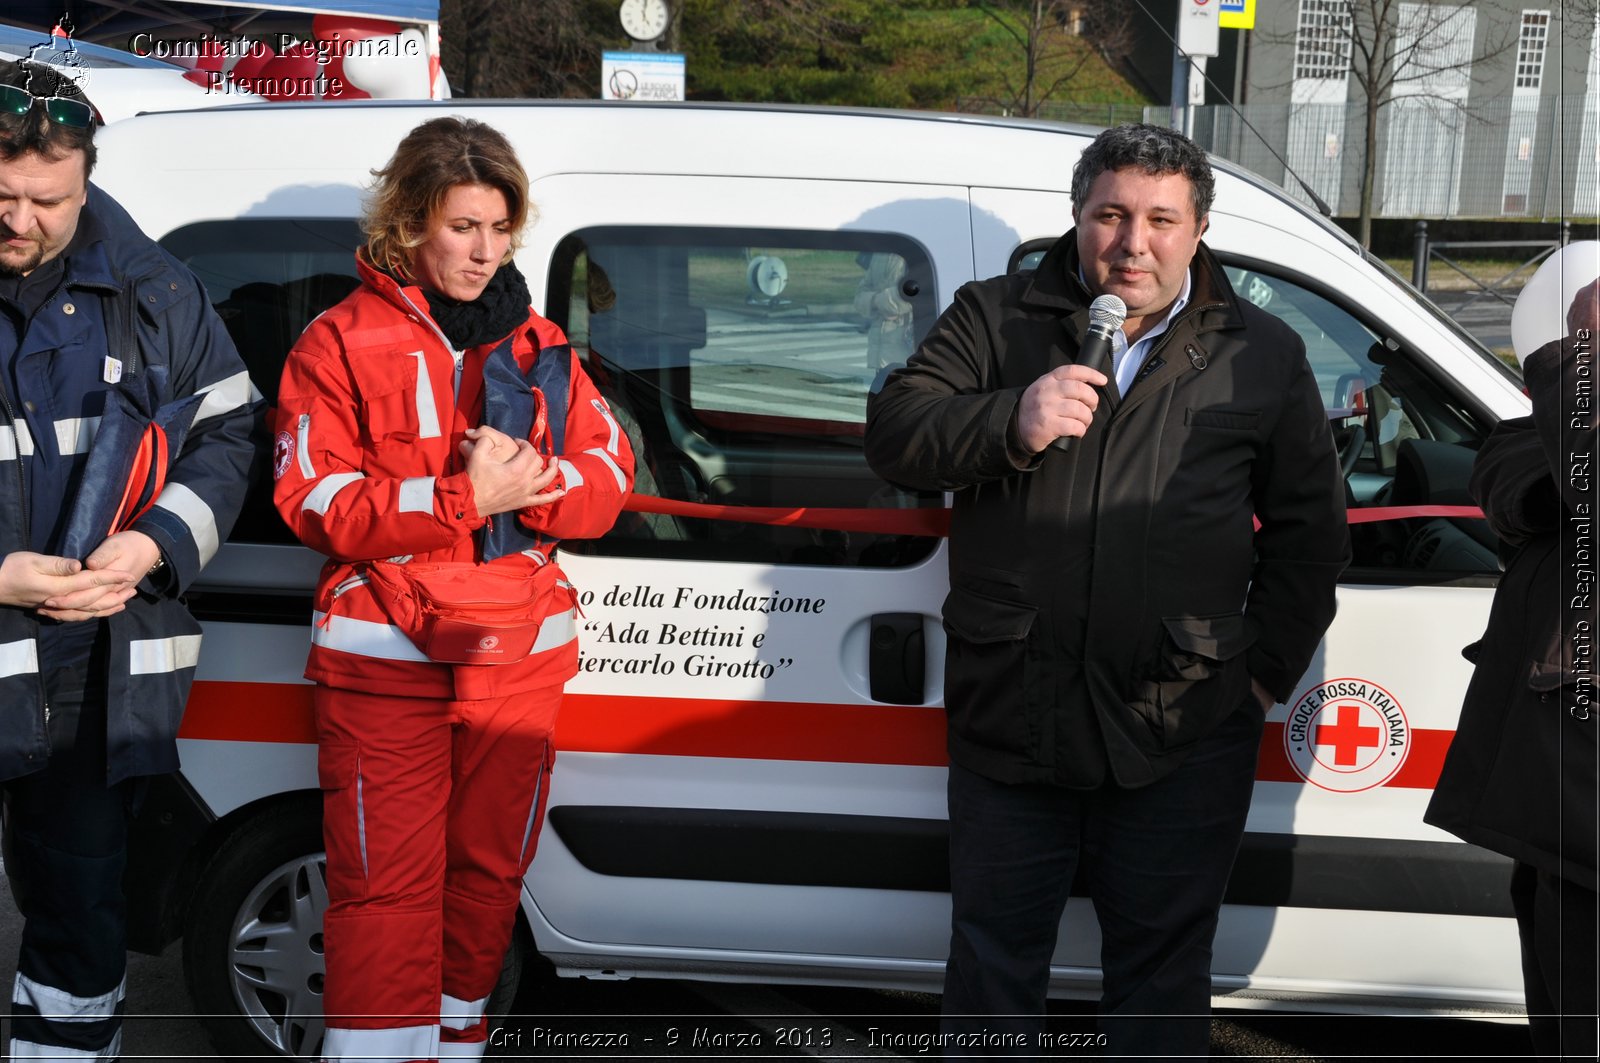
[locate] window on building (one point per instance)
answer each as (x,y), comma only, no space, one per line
(1530,50)
(1322,40)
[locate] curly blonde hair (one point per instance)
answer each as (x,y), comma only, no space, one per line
(410,191)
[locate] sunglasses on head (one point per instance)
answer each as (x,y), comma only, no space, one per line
(74,114)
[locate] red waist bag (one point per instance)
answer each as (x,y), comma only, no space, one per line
(459,612)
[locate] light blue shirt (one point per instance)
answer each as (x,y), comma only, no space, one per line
(1127,359)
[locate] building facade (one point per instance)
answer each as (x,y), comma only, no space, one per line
(1484,108)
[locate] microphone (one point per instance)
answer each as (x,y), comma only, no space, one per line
(1106,315)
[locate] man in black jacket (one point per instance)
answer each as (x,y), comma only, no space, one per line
(1117,626)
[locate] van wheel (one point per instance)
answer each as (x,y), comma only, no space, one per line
(252,955)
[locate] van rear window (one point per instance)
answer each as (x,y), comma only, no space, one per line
(268,278)
(740,362)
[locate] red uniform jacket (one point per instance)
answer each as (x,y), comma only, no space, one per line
(368,467)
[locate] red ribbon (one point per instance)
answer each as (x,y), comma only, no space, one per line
(930,522)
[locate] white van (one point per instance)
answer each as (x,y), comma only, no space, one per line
(751,778)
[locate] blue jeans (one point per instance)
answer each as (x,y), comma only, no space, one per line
(1155,861)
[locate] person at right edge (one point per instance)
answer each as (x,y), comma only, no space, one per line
(1520,777)
(1117,627)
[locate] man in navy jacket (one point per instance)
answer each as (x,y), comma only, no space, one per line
(102,336)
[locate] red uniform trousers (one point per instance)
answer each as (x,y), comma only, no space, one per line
(431,812)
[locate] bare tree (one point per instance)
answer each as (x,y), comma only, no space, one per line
(542,50)
(1399,49)
(1057,38)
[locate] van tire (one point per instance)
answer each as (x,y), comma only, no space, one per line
(268,868)
(271,867)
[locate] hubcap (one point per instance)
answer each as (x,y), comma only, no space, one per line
(275,961)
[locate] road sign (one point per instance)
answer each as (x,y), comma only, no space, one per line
(1237,14)
(1197,27)
(655,76)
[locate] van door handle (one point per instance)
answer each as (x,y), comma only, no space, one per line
(897,659)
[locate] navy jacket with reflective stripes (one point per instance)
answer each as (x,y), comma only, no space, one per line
(167,326)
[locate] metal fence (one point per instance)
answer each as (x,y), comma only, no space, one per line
(1103,115)
(1522,157)
(1531,158)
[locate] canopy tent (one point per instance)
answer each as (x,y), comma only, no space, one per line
(114,23)
(351,50)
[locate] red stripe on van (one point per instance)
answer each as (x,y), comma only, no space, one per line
(762,730)
(249,712)
(1419,772)
(694,727)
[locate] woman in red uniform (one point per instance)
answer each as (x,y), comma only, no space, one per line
(435,439)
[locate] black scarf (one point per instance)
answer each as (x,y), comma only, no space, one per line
(492,316)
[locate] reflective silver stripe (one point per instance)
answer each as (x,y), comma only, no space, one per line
(611,463)
(159,656)
(570,474)
(303,445)
(29,1050)
(74,434)
(361,818)
(558,629)
(458,1014)
(183,503)
(14,440)
(225,396)
(427,412)
(416,494)
(19,658)
(365,638)
(321,496)
(60,1006)
(533,813)
(461,1049)
(398,1045)
(616,429)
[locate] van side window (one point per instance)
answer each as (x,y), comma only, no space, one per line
(1403,439)
(739,362)
(268,278)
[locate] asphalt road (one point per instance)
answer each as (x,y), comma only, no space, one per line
(1486,316)
(581,1019)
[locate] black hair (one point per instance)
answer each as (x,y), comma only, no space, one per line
(33,132)
(1156,150)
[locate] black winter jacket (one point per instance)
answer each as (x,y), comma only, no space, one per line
(1109,605)
(173,348)
(1520,777)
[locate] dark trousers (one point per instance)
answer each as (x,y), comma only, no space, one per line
(1556,922)
(66,841)
(1156,861)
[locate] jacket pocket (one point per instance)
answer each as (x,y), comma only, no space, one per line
(337,765)
(1223,420)
(344,816)
(990,671)
(392,409)
(1196,678)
